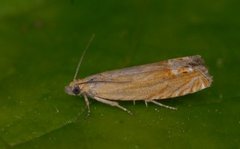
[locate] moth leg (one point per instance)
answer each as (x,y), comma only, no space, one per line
(146,103)
(162,105)
(112,103)
(134,102)
(87,103)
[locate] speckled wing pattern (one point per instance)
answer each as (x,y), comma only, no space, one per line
(166,79)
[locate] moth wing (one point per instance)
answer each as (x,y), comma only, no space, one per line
(166,79)
(126,74)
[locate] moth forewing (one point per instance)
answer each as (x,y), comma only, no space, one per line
(156,81)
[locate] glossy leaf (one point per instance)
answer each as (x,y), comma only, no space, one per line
(41,42)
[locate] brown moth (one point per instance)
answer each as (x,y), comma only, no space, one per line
(150,82)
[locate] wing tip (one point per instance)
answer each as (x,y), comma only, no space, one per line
(198,62)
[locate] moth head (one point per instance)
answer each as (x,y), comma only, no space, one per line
(73,89)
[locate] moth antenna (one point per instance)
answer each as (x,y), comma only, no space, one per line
(80,61)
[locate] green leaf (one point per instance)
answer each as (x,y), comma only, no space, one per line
(41,43)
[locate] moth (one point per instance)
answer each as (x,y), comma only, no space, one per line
(150,82)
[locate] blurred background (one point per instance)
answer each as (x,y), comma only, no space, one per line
(41,42)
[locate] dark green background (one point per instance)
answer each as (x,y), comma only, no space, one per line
(41,42)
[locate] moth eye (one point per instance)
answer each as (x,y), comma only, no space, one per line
(76,90)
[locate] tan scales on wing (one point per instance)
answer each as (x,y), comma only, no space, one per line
(166,79)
